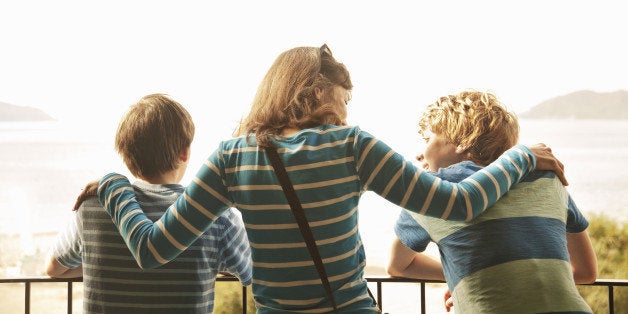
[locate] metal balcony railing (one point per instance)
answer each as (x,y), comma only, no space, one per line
(28,281)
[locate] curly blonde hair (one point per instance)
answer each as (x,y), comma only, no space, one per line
(286,97)
(475,120)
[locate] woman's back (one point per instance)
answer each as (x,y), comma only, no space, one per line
(323,169)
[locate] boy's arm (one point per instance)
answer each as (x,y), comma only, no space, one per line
(405,262)
(582,257)
(235,252)
(581,253)
(65,256)
(55,269)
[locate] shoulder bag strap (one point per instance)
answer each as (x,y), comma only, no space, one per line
(299,215)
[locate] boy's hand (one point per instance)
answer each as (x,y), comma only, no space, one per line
(449,302)
(89,190)
(545,160)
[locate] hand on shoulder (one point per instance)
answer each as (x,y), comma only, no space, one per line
(545,160)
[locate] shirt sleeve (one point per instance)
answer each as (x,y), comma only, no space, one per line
(67,249)
(153,245)
(235,251)
(576,222)
(387,173)
(410,233)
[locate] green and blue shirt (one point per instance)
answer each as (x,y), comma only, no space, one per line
(514,257)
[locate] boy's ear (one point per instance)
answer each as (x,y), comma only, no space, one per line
(318,93)
(185,155)
(461,149)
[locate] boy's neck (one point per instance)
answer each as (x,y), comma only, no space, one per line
(171,177)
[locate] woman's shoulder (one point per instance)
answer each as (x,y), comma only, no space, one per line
(321,133)
(238,143)
(338,130)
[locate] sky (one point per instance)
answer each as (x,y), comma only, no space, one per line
(85,62)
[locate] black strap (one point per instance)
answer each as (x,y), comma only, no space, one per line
(299,215)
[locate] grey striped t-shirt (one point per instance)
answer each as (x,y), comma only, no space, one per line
(113,282)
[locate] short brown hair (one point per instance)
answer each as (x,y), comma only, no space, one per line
(152,135)
(286,96)
(476,120)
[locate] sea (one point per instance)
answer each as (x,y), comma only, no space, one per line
(44,166)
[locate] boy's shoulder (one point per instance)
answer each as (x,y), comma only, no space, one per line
(458,172)
(538,174)
(144,186)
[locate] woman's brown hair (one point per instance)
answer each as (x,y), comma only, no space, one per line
(286,97)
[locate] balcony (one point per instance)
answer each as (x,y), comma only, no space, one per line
(377,282)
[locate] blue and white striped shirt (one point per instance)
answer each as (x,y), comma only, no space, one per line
(330,167)
(514,257)
(114,284)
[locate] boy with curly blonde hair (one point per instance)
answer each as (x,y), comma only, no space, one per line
(524,254)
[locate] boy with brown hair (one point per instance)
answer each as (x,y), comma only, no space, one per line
(153,139)
(524,254)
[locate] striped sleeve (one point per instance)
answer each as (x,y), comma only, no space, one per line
(235,251)
(68,246)
(155,244)
(576,222)
(386,173)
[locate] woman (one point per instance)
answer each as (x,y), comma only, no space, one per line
(300,108)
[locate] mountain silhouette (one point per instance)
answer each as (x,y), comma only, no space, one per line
(10,112)
(582,104)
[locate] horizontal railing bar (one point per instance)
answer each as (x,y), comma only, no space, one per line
(610,283)
(598,282)
(39,279)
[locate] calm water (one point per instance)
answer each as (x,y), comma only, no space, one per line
(43,166)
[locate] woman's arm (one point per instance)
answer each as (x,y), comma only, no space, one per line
(154,244)
(387,173)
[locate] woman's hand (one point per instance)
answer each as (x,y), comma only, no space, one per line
(88,191)
(545,160)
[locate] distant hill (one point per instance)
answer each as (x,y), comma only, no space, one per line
(582,105)
(10,112)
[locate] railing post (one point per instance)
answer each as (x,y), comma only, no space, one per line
(611,302)
(69,297)
(379,295)
(27,297)
(244,305)
(423,311)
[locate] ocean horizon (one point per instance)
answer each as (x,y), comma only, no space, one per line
(44,165)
